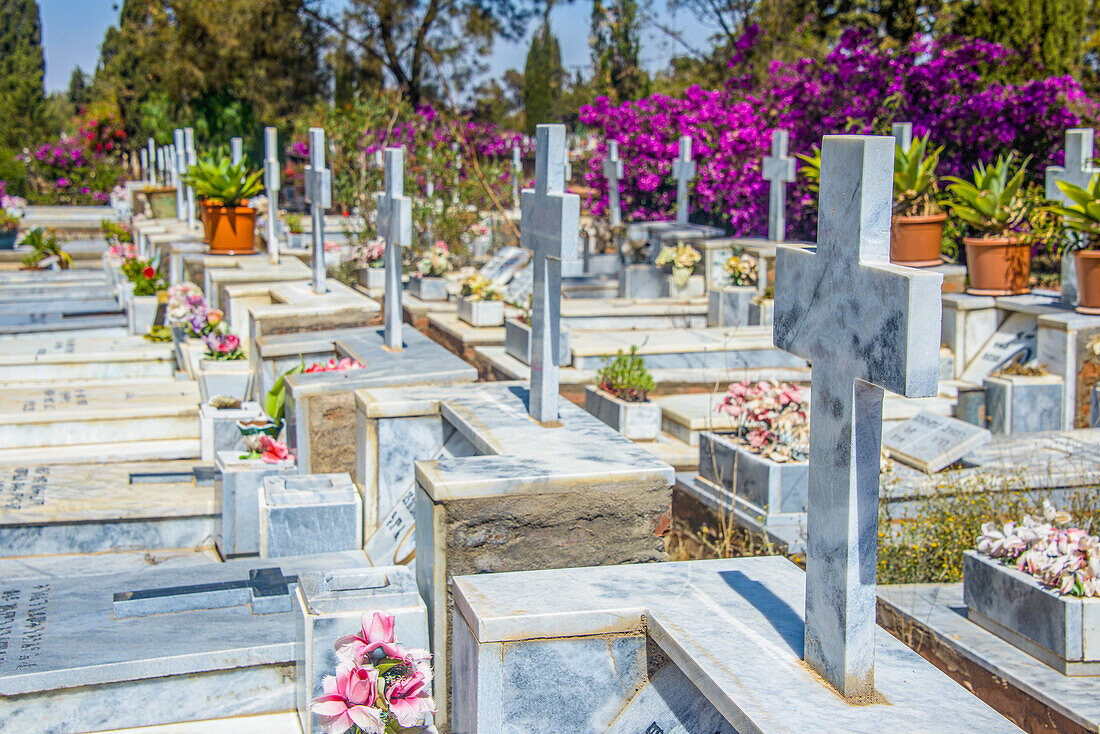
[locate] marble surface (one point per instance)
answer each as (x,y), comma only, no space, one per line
(308,514)
(638,421)
(734,627)
(1018,404)
(672,703)
(237,490)
(931,442)
(736,348)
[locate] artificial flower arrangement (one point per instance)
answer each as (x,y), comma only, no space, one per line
(379,686)
(436,262)
(187,306)
(683,258)
(479,288)
(115,232)
(770,419)
(369,255)
(121,252)
(11,212)
(742,270)
(144,275)
(626,377)
(1064,559)
(223,346)
(347,363)
(265,448)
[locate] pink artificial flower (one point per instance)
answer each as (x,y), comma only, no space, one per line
(229,343)
(214,317)
(348,700)
(442,246)
(273,451)
(377,634)
(409,701)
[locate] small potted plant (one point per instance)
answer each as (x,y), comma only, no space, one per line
(682,261)
(45,251)
(621,397)
(428,283)
(371,259)
(916,230)
(224,369)
(1083,217)
(295,232)
(11,215)
(226,189)
(481,303)
(729,305)
(994,206)
(517,337)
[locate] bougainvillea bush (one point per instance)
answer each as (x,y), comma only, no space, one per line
(949,89)
(77,169)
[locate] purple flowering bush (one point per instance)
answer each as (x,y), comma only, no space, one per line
(69,172)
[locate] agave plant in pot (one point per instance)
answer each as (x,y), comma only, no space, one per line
(916,229)
(994,206)
(226,188)
(1083,216)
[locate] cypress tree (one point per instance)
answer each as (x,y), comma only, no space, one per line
(22,73)
(1050,35)
(541,78)
(615,48)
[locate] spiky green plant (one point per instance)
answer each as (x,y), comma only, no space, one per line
(993,203)
(219,180)
(915,185)
(1083,215)
(626,377)
(811,168)
(44,244)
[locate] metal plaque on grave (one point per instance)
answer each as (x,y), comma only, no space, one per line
(931,442)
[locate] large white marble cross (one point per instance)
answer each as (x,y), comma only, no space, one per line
(318,180)
(395,226)
(903,134)
(864,325)
(549,226)
(236,150)
(272,184)
(179,156)
(191,159)
(779,170)
(613,171)
(683,170)
(517,171)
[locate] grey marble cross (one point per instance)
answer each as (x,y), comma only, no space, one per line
(272,184)
(151,146)
(161,166)
(613,171)
(191,158)
(1078,170)
(549,226)
(903,134)
(318,181)
(779,170)
(395,226)
(458,171)
(864,325)
(146,172)
(178,161)
(236,150)
(683,170)
(517,171)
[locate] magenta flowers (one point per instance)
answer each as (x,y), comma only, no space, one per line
(348,700)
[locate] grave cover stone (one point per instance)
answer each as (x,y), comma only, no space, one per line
(309,513)
(930,442)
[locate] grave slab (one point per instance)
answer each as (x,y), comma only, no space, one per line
(739,348)
(743,651)
(1023,404)
(238,483)
(930,442)
(218,272)
(69,358)
(296,307)
(222,644)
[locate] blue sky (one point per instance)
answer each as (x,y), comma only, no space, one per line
(73,29)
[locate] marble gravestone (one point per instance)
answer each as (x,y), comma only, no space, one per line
(865,325)
(930,442)
(613,172)
(683,170)
(395,227)
(318,180)
(1078,170)
(778,171)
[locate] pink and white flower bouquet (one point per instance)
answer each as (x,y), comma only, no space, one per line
(370,255)
(379,686)
(435,263)
(770,419)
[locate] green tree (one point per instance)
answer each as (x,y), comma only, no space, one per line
(80,90)
(615,48)
(542,78)
(22,71)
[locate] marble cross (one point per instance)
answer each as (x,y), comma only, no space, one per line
(903,134)
(683,170)
(458,171)
(549,226)
(1078,170)
(160,165)
(864,325)
(779,170)
(272,184)
(319,196)
(395,226)
(517,171)
(179,157)
(613,171)
(236,150)
(191,158)
(146,172)
(152,148)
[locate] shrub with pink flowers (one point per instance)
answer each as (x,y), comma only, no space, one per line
(66,172)
(379,686)
(1064,559)
(769,419)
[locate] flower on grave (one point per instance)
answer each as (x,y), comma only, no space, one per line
(479,288)
(683,258)
(214,317)
(148,271)
(347,363)
(223,346)
(331,246)
(742,270)
(272,451)
(769,418)
(185,300)
(436,262)
(369,255)
(379,686)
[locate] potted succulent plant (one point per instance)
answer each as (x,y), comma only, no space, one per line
(682,261)
(226,189)
(295,232)
(481,303)
(993,205)
(45,251)
(371,259)
(428,283)
(1083,217)
(916,230)
(11,214)
(621,397)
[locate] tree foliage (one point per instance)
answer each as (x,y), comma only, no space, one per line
(542,79)
(615,49)
(22,70)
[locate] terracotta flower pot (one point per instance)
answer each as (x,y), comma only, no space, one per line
(204,219)
(1088,281)
(998,266)
(232,230)
(915,241)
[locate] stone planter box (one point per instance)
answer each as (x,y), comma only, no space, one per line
(517,343)
(237,486)
(642,280)
(232,378)
(124,291)
(729,305)
(140,311)
(372,277)
(428,289)
(1061,631)
(307,514)
(636,421)
(695,288)
(297,241)
(768,485)
(218,428)
(481,313)
(1021,404)
(760,312)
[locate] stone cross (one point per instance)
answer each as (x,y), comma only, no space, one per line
(191,159)
(236,150)
(779,170)
(272,184)
(864,325)
(267,590)
(517,171)
(549,225)
(458,171)
(319,195)
(903,134)
(395,226)
(1078,170)
(180,159)
(152,147)
(160,165)
(613,171)
(146,172)
(683,169)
